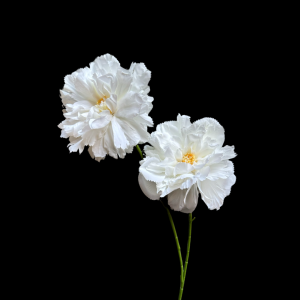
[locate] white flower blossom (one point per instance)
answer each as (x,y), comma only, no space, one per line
(106,108)
(186,159)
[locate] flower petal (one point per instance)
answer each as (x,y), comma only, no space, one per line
(111,103)
(150,171)
(140,130)
(141,76)
(223,169)
(98,148)
(130,132)
(227,151)
(120,140)
(76,144)
(105,64)
(124,82)
(176,199)
(184,200)
(214,132)
(183,168)
(93,156)
(214,192)
(148,188)
(105,118)
(109,142)
(183,121)
(130,106)
(191,200)
(202,173)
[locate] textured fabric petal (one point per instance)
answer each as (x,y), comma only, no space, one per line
(183,121)
(141,77)
(148,188)
(144,119)
(130,106)
(191,201)
(183,168)
(214,132)
(131,133)
(90,137)
(124,82)
(102,121)
(214,192)
(109,142)
(176,199)
(76,144)
(120,140)
(227,151)
(93,156)
(203,173)
(184,200)
(224,169)
(105,64)
(149,173)
(112,103)
(140,130)
(98,148)
(121,152)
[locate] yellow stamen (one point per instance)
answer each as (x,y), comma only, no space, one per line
(102,99)
(189,158)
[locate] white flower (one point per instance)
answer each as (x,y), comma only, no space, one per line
(107,108)
(187,159)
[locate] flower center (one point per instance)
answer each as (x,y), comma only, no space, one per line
(101,105)
(189,158)
(101,99)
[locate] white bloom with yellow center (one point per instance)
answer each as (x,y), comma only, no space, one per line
(106,108)
(186,159)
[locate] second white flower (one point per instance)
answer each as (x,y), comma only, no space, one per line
(106,108)
(186,159)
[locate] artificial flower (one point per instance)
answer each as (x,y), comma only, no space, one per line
(106,108)
(186,159)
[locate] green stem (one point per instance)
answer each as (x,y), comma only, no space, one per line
(188,246)
(139,151)
(179,252)
(182,270)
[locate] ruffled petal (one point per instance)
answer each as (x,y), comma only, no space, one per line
(131,132)
(148,188)
(120,140)
(183,121)
(105,64)
(214,132)
(151,171)
(98,148)
(224,169)
(124,82)
(130,106)
(111,102)
(214,192)
(227,152)
(184,200)
(191,201)
(102,121)
(141,77)
(93,156)
(76,144)
(109,142)
(183,168)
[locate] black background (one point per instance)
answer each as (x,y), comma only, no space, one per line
(98,233)
(83,230)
